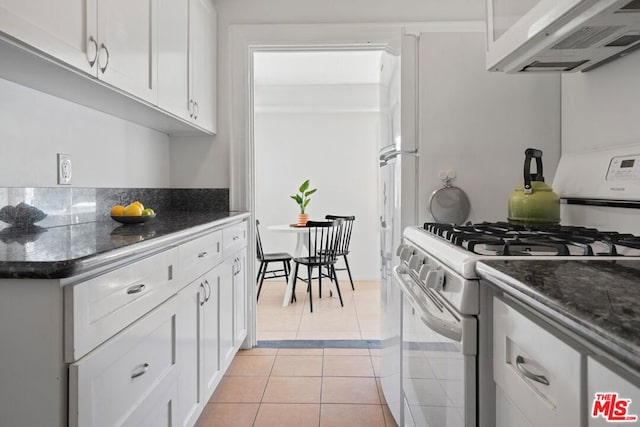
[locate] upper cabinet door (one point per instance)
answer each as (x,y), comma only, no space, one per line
(202,63)
(127,46)
(58,28)
(173,61)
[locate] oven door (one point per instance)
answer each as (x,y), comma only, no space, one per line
(439,348)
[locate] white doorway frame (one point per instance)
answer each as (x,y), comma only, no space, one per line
(244,40)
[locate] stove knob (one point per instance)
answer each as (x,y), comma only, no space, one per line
(424,270)
(435,279)
(415,261)
(406,253)
(400,249)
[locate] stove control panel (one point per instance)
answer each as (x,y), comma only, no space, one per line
(624,168)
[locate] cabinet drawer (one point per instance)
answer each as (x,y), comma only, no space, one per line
(100,307)
(234,237)
(522,348)
(107,386)
(199,256)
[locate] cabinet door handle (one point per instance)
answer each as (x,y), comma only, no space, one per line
(202,254)
(204,294)
(103,69)
(140,371)
(191,108)
(136,289)
(206,282)
(196,110)
(527,373)
(93,42)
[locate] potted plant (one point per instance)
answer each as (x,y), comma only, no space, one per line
(302,199)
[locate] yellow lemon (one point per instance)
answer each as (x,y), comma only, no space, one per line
(139,204)
(117,210)
(148,212)
(132,210)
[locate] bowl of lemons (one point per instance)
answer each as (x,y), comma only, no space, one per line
(134,213)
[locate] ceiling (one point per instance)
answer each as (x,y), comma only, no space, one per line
(317,67)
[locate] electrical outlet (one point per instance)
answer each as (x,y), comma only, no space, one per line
(64,169)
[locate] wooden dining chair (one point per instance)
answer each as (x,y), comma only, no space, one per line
(266,258)
(323,239)
(345,241)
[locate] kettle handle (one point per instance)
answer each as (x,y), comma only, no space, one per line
(528,176)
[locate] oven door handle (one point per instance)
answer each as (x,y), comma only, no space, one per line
(451,330)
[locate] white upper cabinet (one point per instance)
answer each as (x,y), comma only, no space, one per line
(202,63)
(162,52)
(127,35)
(57,28)
(173,61)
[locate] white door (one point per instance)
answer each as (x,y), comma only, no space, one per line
(127,50)
(59,28)
(173,61)
(202,62)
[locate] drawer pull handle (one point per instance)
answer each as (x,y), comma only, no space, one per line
(206,282)
(202,254)
(136,289)
(236,237)
(527,373)
(140,371)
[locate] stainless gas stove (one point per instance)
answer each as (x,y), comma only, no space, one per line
(440,298)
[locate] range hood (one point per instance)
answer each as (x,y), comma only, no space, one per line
(569,36)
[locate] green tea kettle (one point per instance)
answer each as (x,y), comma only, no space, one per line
(534,203)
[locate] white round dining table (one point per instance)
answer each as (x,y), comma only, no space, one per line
(302,249)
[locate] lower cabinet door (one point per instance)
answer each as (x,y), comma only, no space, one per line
(240,298)
(210,336)
(188,357)
(159,408)
(107,386)
(226,312)
(613,397)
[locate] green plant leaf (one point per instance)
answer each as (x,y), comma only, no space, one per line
(298,199)
(304,186)
(310,192)
(306,202)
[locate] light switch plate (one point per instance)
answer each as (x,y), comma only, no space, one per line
(64,169)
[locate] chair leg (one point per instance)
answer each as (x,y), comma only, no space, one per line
(261,272)
(310,291)
(348,271)
(295,280)
(286,270)
(337,285)
(319,281)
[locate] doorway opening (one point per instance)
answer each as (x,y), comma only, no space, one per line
(318,116)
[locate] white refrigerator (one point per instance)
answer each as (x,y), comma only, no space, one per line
(442,110)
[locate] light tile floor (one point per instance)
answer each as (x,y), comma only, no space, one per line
(330,387)
(297,387)
(359,319)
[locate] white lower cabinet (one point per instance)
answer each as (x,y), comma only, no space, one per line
(107,386)
(210,345)
(240,298)
(146,342)
(226,313)
(539,377)
(188,354)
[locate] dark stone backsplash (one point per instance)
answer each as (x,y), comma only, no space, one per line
(73,205)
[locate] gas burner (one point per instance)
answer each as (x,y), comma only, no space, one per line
(505,239)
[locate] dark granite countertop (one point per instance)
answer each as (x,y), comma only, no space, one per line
(598,300)
(68,250)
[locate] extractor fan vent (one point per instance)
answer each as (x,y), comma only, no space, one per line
(586,37)
(633,6)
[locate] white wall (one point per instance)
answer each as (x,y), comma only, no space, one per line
(601,108)
(480,123)
(238,12)
(334,144)
(105,151)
